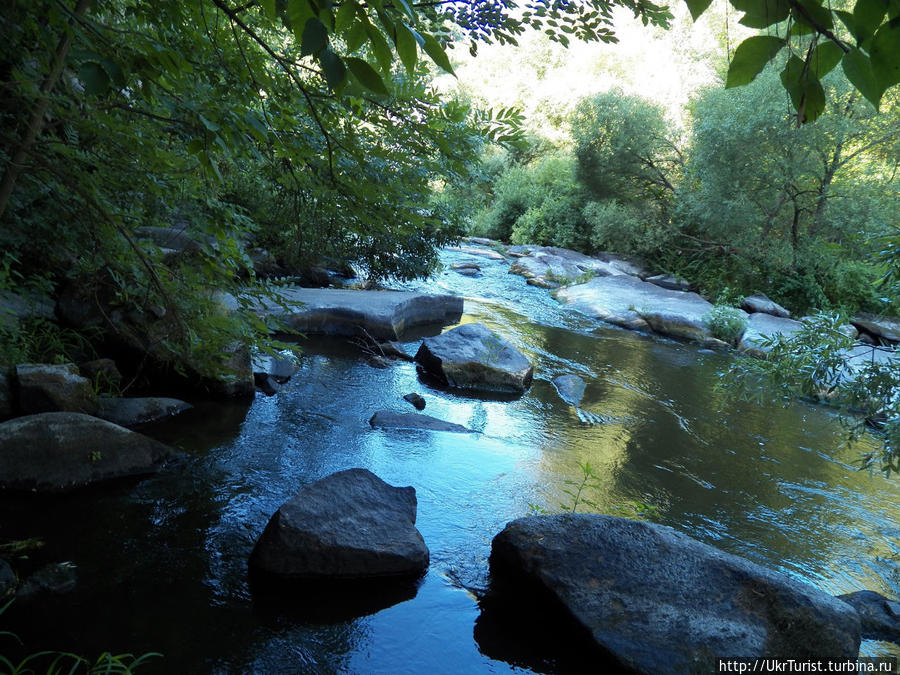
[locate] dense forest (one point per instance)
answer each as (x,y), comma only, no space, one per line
(314,133)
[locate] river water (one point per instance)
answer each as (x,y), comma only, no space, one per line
(162,562)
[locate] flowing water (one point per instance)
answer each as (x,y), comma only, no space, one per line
(162,561)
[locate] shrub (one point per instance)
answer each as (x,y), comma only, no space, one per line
(624,228)
(726,323)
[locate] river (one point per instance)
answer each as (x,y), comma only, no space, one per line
(162,561)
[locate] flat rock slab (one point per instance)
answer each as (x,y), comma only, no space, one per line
(128,412)
(388,419)
(54,452)
(350,525)
(661,602)
(638,305)
(760,325)
(385,315)
(474,358)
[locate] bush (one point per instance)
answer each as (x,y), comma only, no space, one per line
(538,203)
(726,323)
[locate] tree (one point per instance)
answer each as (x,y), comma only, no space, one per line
(793,212)
(625,149)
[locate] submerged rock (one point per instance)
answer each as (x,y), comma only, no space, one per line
(51,579)
(128,412)
(44,387)
(880,616)
(758,302)
(52,452)
(349,525)
(472,357)
(570,388)
(416,400)
(659,601)
(388,419)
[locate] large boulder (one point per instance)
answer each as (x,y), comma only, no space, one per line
(129,412)
(659,601)
(350,525)
(57,451)
(880,616)
(388,419)
(638,305)
(885,327)
(44,387)
(383,315)
(472,357)
(761,325)
(758,302)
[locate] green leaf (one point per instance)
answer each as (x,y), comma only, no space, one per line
(437,53)
(406,8)
(697,7)
(806,91)
(210,126)
(269,8)
(849,22)
(762,13)
(818,14)
(315,37)
(356,35)
(824,58)
(885,54)
(867,16)
(406,47)
(298,12)
(380,48)
(367,76)
(345,16)
(750,58)
(96,81)
(333,67)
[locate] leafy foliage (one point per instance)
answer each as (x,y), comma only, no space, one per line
(726,323)
(865,41)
